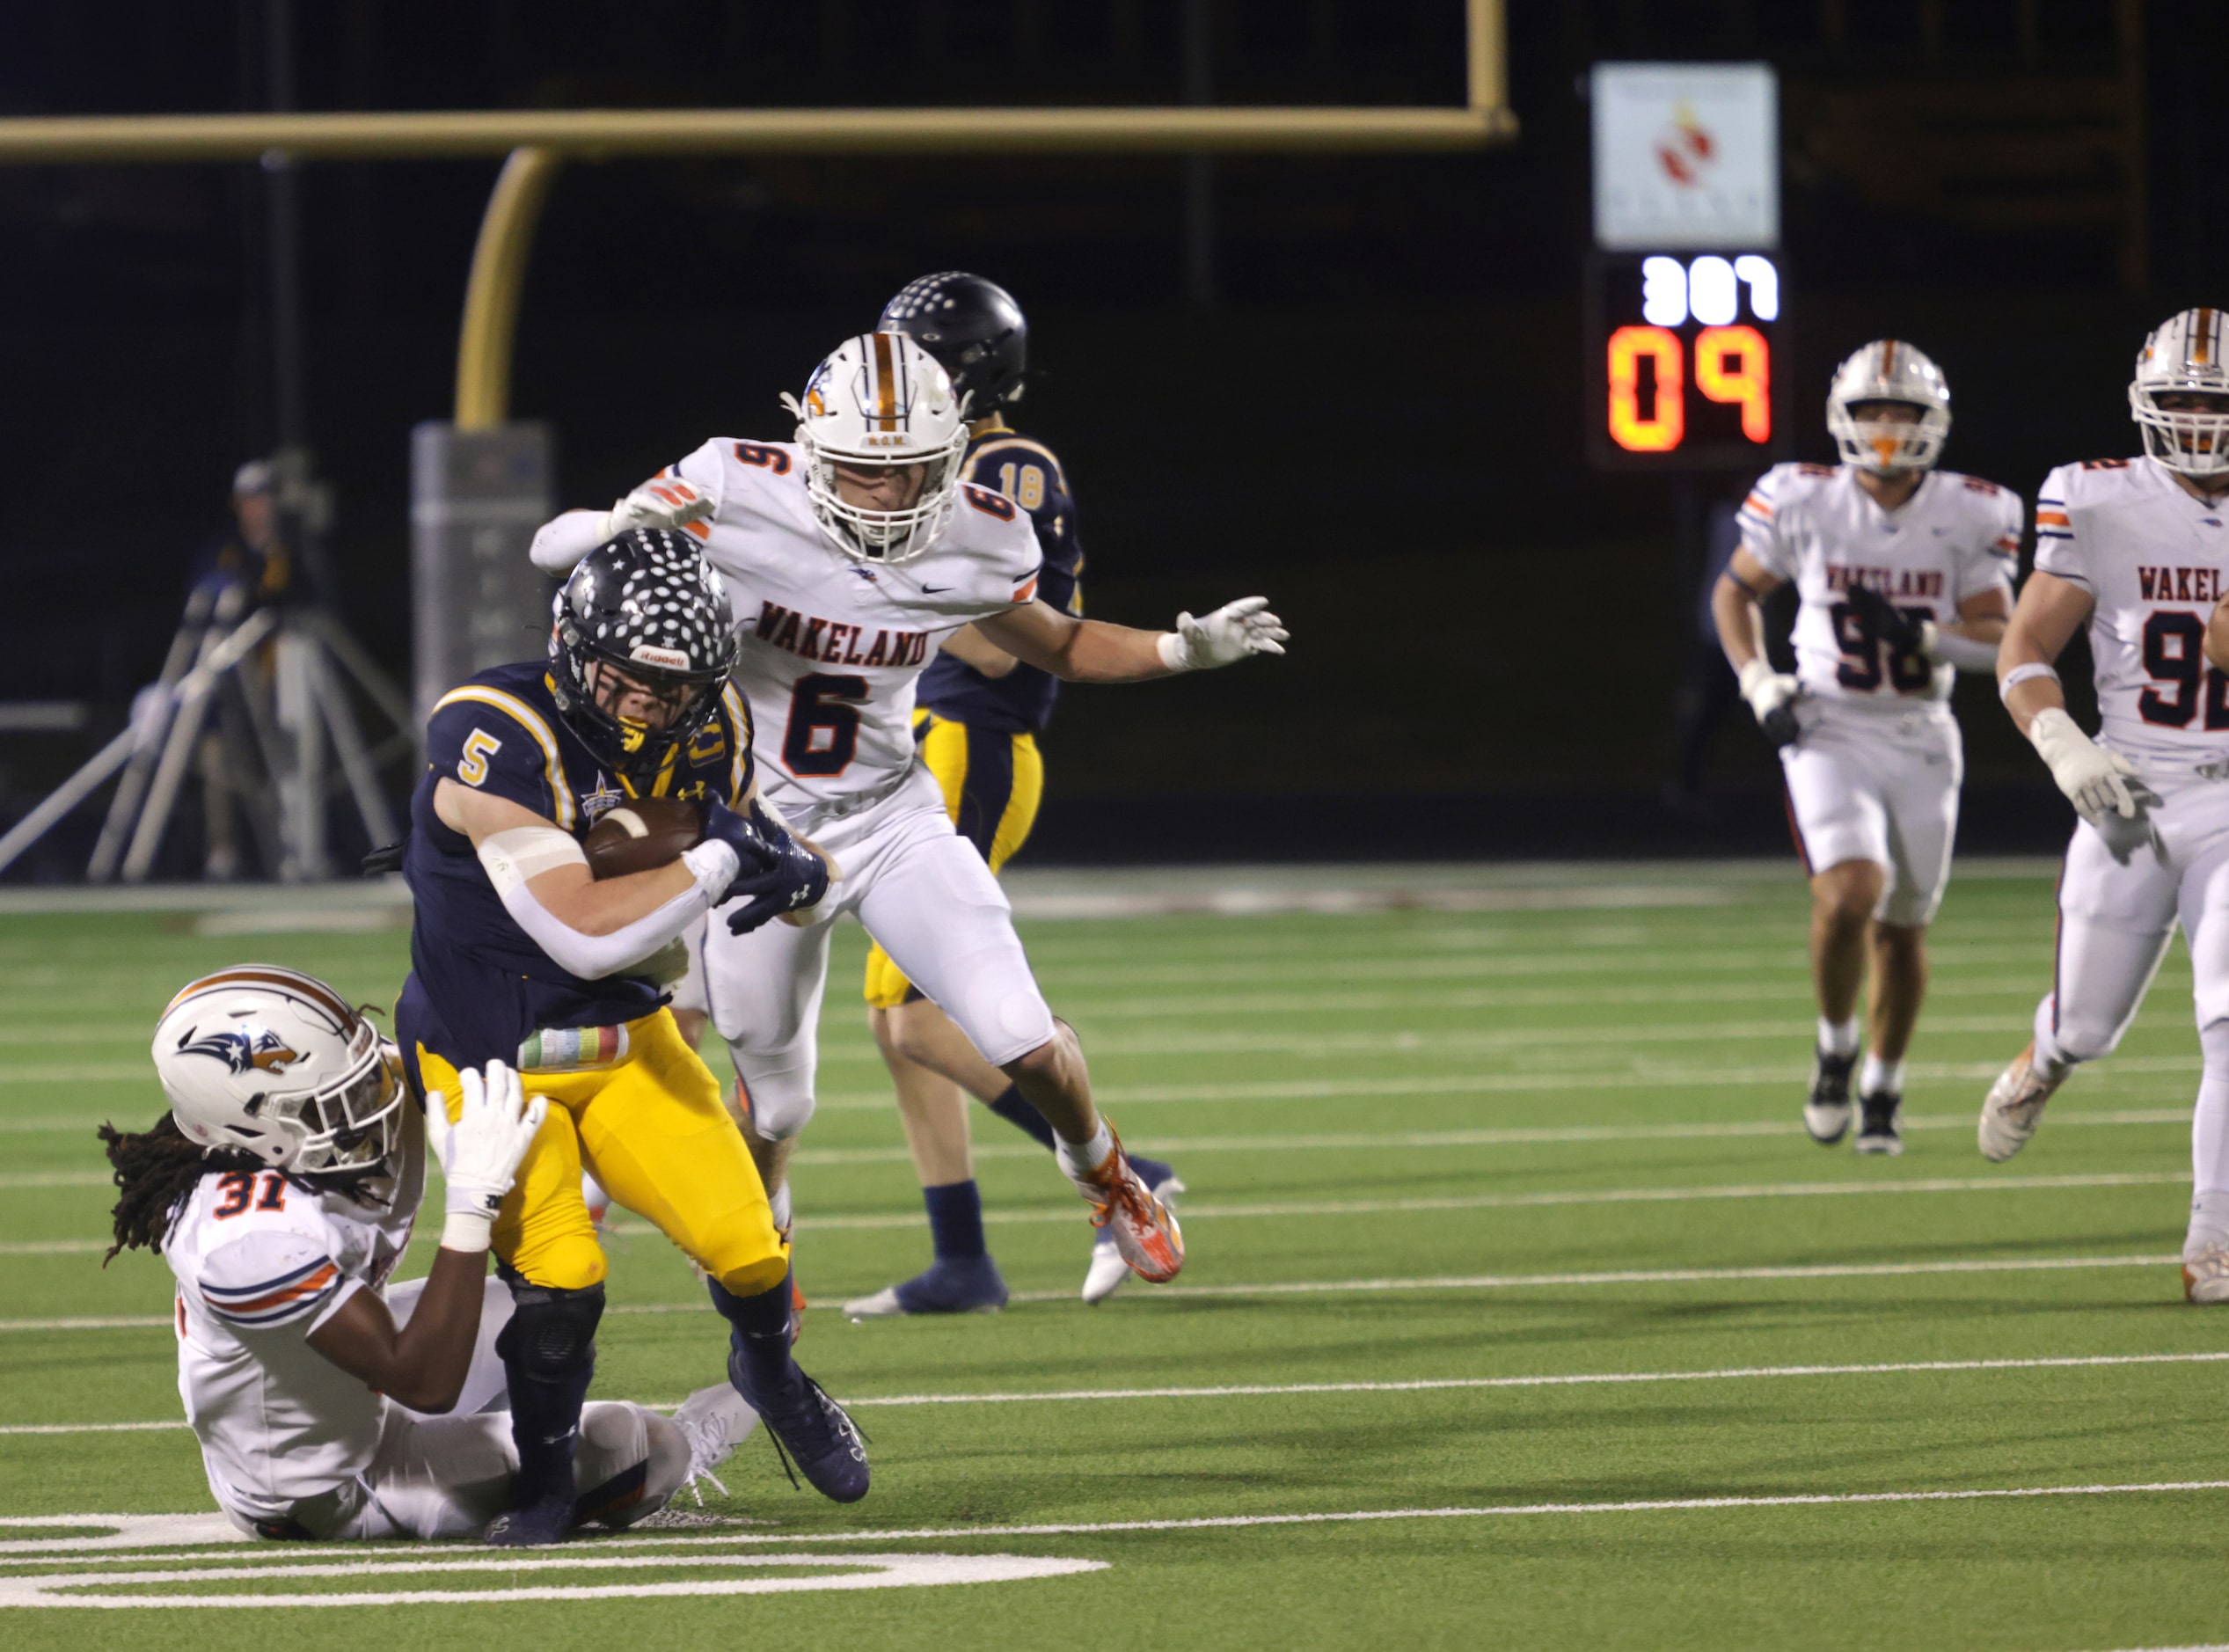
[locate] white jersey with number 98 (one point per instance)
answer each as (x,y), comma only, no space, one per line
(1815,525)
(831,645)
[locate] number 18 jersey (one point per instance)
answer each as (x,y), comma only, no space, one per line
(832,647)
(2156,560)
(1815,525)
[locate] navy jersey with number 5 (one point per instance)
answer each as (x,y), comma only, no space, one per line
(1020,702)
(478,984)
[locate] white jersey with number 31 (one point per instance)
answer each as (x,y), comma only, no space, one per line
(262,1262)
(2156,560)
(1815,525)
(831,646)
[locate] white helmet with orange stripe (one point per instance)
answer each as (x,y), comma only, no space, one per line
(2179,395)
(883,436)
(266,1061)
(1888,370)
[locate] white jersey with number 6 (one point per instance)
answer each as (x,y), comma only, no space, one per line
(832,647)
(1817,525)
(2156,560)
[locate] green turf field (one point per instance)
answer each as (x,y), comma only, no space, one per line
(1519,1313)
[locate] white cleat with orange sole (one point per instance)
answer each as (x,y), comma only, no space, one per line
(1146,1235)
(2015,1107)
(2205,1277)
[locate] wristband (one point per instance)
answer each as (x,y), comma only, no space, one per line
(2020,674)
(714,864)
(1170,646)
(466,1231)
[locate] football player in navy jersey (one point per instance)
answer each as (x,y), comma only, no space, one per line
(519,954)
(977,721)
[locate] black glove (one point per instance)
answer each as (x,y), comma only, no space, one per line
(1890,624)
(1780,727)
(791,876)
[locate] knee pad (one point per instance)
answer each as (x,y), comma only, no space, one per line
(754,1277)
(551,1332)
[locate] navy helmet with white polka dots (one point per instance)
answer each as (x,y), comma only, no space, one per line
(648,606)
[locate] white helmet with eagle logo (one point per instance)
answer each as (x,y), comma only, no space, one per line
(1888,369)
(881,400)
(2183,358)
(268,1062)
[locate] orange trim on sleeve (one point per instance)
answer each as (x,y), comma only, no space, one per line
(1756,502)
(2052,519)
(702,529)
(1027,591)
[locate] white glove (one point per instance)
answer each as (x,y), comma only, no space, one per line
(2096,781)
(1224,637)
(667,502)
(1765,690)
(480,1153)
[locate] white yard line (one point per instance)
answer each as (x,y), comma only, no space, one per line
(1510,1135)
(1452,1282)
(1427,1385)
(1316,1208)
(1633,1276)
(281,1556)
(1636,1076)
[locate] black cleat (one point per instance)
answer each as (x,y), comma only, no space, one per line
(545,1520)
(1877,1127)
(809,1428)
(1827,1114)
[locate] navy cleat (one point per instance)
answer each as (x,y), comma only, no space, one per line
(1880,1123)
(1107,1271)
(1826,1114)
(531,1525)
(807,1428)
(953,1284)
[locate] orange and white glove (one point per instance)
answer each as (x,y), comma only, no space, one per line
(664,502)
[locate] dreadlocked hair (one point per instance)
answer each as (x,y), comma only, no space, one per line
(159,1168)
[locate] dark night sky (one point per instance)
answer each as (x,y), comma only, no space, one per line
(1382,399)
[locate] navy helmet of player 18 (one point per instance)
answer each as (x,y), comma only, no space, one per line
(647,604)
(973,327)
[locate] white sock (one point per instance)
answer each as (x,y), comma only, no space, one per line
(2209,1145)
(1878,1077)
(1080,1158)
(1839,1038)
(778,1202)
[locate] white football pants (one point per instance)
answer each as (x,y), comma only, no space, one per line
(2121,895)
(924,892)
(448,1476)
(1865,784)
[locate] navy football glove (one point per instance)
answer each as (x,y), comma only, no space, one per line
(792,877)
(740,832)
(1890,624)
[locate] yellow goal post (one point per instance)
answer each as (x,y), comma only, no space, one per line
(539,142)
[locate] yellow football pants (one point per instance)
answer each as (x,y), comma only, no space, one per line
(651,1130)
(992,784)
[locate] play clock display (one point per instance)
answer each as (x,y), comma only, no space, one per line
(1682,352)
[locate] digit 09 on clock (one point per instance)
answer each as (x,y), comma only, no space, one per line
(1681,361)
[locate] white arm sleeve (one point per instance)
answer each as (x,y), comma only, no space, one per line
(563,540)
(1963,652)
(593,957)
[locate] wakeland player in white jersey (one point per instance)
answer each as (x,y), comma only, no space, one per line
(1905,576)
(851,550)
(2138,550)
(282,1188)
